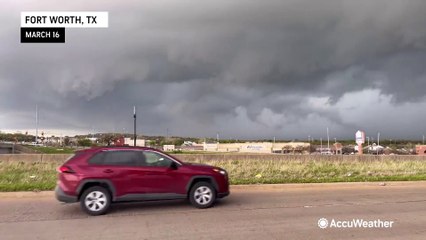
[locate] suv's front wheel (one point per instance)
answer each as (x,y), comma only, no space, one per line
(202,195)
(95,200)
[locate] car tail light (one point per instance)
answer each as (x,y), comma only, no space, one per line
(65,169)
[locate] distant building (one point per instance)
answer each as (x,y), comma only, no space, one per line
(337,148)
(168,148)
(189,143)
(130,142)
(54,140)
(93,139)
(376,148)
(210,147)
(194,147)
(421,150)
(119,141)
(258,147)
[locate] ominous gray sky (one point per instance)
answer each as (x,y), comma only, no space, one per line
(243,68)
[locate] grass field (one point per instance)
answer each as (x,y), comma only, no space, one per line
(34,176)
(52,150)
(294,171)
(27,176)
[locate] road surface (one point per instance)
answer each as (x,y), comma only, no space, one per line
(250,212)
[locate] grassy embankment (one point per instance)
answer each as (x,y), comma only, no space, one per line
(25,176)
(52,150)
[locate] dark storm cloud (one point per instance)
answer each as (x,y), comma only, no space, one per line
(244,68)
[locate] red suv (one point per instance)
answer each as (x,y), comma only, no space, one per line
(97,177)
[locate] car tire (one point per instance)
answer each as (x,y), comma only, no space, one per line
(202,195)
(95,200)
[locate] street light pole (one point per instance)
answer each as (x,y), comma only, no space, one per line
(328,142)
(378,142)
(368,144)
(36,137)
(378,138)
(134,126)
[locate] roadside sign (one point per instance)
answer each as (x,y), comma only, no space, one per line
(360,137)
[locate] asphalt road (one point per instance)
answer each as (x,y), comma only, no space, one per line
(253,212)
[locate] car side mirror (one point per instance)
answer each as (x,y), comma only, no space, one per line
(173,165)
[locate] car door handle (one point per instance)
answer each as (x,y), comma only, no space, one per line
(108,171)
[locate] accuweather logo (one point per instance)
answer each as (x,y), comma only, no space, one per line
(323,223)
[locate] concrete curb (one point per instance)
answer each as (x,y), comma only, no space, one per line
(259,187)
(27,194)
(323,186)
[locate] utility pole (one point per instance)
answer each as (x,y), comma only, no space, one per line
(378,138)
(368,144)
(321,145)
(423,139)
(328,141)
(217,137)
(378,142)
(134,126)
(36,137)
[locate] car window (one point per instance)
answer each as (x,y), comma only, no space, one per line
(119,158)
(97,158)
(153,159)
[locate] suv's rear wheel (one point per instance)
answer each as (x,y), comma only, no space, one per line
(202,195)
(95,200)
